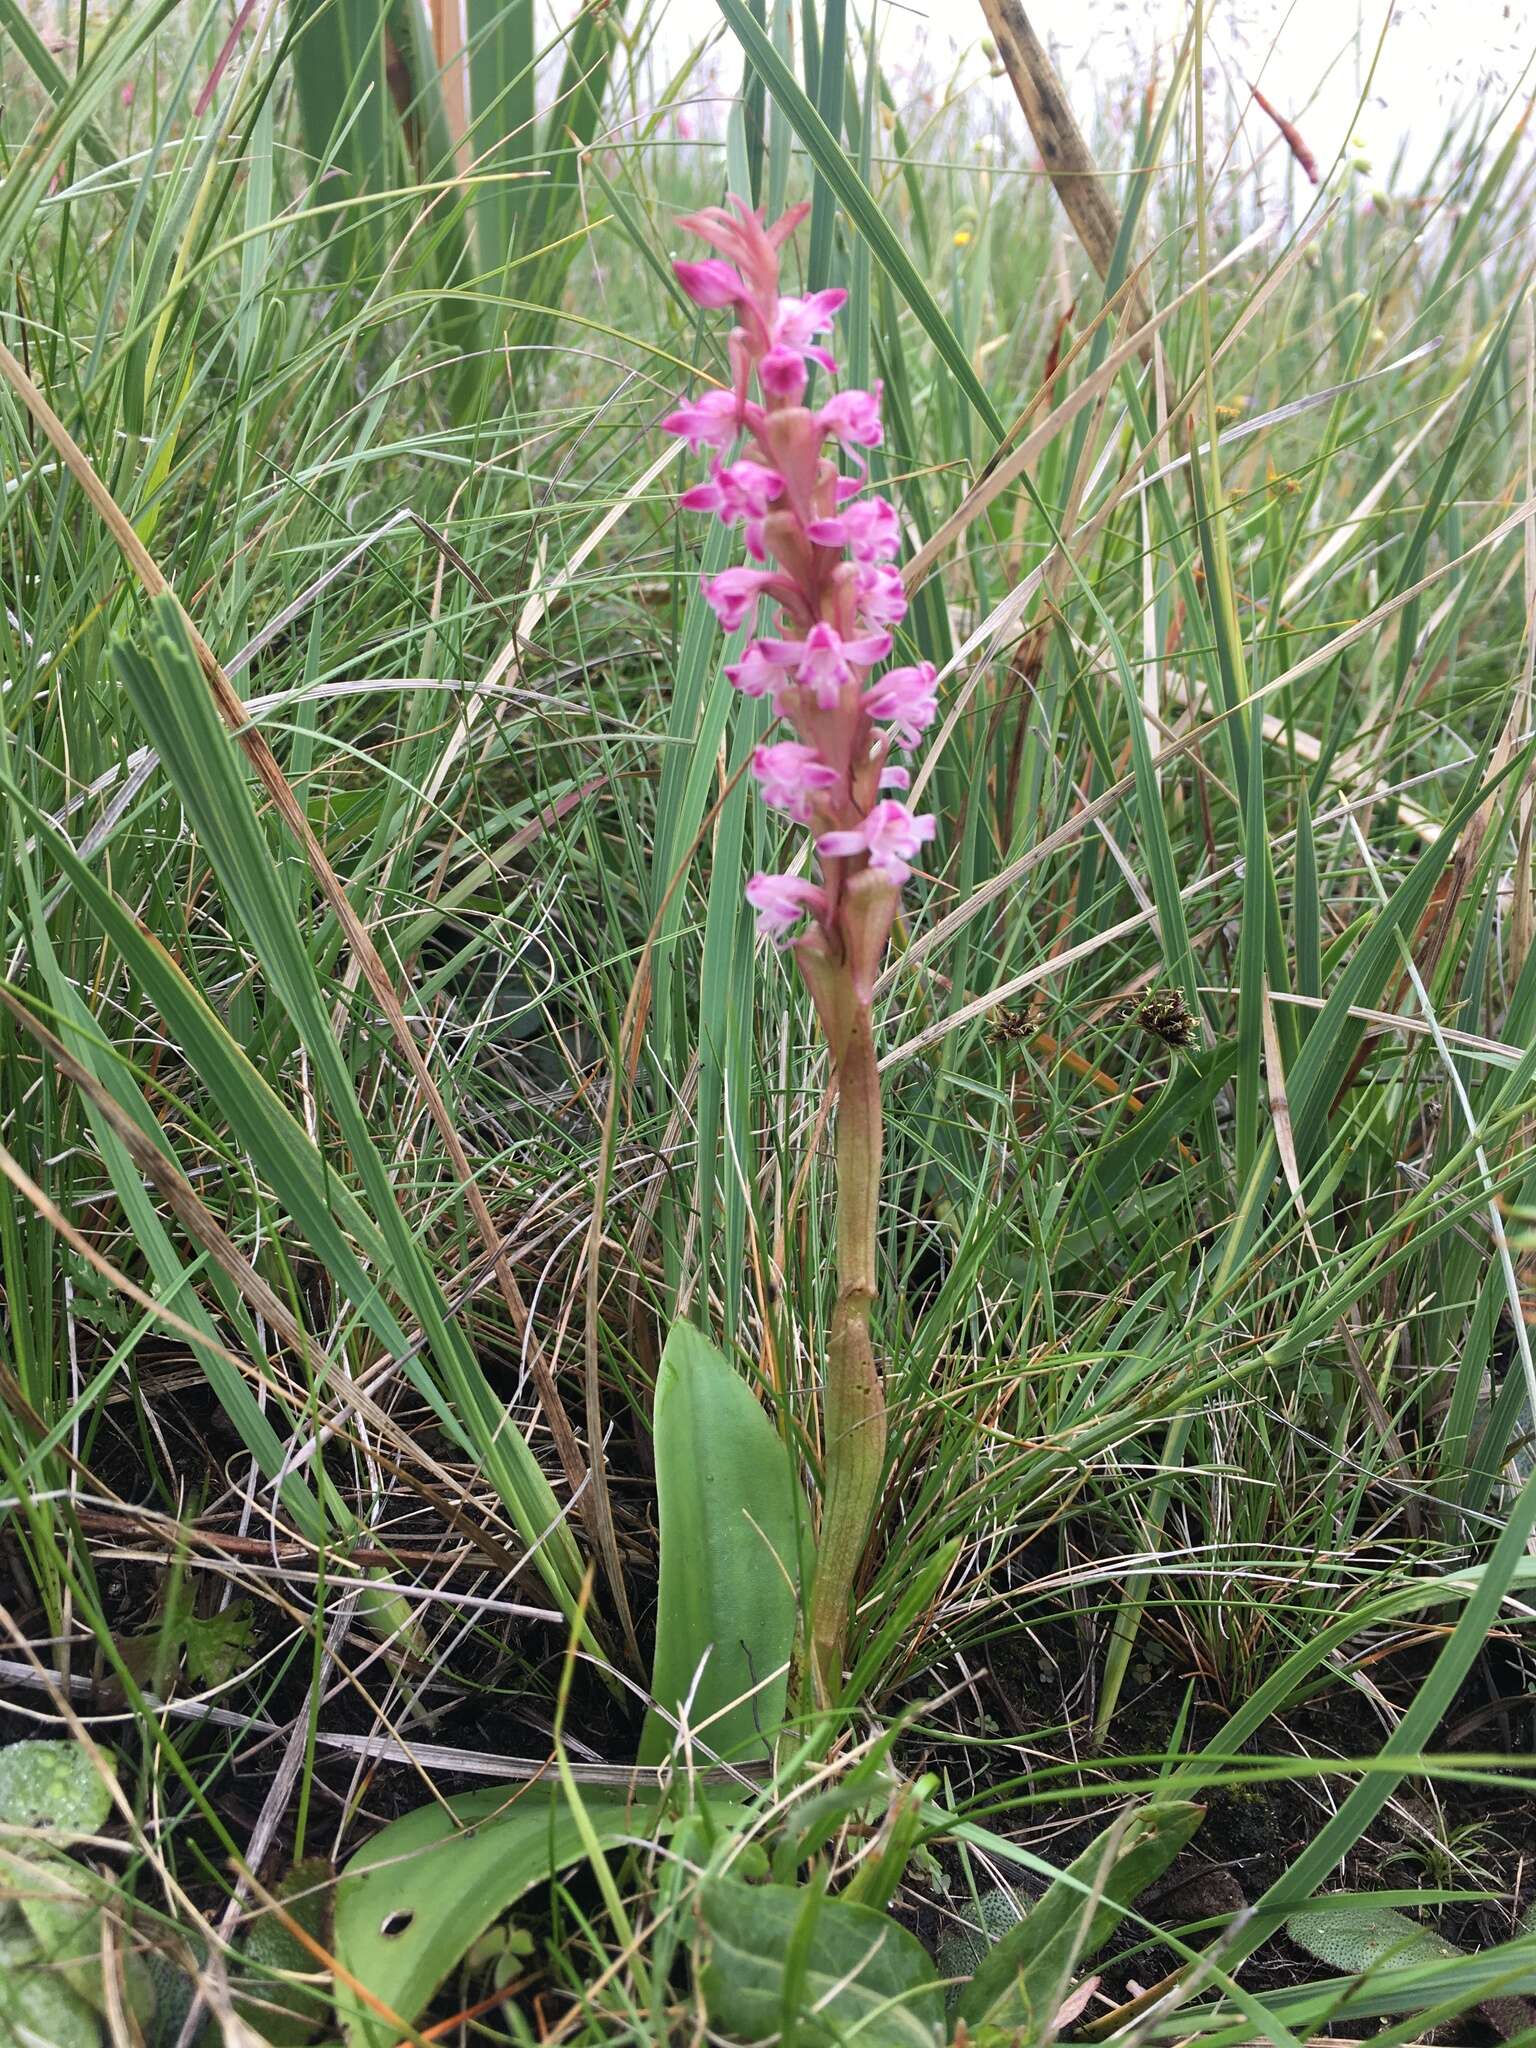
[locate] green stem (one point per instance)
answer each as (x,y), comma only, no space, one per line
(854,1402)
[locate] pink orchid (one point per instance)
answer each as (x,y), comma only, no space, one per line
(828,553)
(709,421)
(757,673)
(824,661)
(904,697)
(799,319)
(853,418)
(738,490)
(781,901)
(733,595)
(782,373)
(890,835)
(880,594)
(868,528)
(710,283)
(792,775)
(798,514)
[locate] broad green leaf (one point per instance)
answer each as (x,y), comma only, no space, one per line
(425,1889)
(53,1786)
(1357,1935)
(731,1518)
(782,1958)
(36,2004)
(63,1903)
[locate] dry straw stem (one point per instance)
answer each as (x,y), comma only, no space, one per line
(232,710)
(1068,159)
(452,70)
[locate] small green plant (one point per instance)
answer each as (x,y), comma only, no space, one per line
(789,1957)
(1398,1961)
(55,1912)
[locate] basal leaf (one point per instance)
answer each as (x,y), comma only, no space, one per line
(53,1786)
(1356,1935)
(425,1889)
(731,1529)
(848,1973)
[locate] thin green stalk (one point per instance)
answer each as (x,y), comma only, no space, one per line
(854,1399)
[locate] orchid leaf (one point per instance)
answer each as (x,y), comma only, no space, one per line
(419,1896)
(732,1520)
(782,1959)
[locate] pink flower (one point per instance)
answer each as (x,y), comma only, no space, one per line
(732,595)
(890,835)
(853,418)
(894,776)
(824,661)
(905,697)
(791,774)
(709,421)
(737,490)
(741,235)
(782,373)
(711,283)
(743,240)
(881,596)
(799,319)
(781,901)
(756,673)
(869,529)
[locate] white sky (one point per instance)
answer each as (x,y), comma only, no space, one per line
(1310,57)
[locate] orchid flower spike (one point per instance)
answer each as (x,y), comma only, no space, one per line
(822,551)
(826,550)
